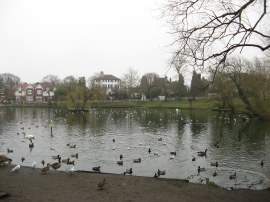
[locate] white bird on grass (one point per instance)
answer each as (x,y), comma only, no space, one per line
(16,168)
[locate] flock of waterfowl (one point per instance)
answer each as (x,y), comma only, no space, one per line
(58,160)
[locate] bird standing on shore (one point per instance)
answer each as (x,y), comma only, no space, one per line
(45,169)
(16,168)
(4,159)
(96,169)
(101,184)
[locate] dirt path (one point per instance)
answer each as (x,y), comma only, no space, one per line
(30,185)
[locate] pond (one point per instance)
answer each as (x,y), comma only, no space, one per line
(242,143)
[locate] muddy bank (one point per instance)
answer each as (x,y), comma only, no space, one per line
(29,184)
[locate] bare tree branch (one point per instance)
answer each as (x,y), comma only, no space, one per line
(207,32)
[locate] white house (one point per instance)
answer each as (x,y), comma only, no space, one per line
(109,82)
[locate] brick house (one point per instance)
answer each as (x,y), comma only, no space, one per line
(38,92)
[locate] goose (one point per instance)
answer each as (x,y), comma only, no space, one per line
(45,169)
(200,169)
(9,150)
(120,163)
(23,159)
(57,165)
(161,172)
(233,176)
(75,155)
(214,164)
(43,162)
(96,169)
(137,160)
(155,175)
(16,168)
(128,171)
(202,153)
(4,159)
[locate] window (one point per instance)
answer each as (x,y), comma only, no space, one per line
(29,91)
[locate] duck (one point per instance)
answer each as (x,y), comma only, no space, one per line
(120,163)
(72,146)
(43,162)
(4,159)
(160,139)
(214,164)
(121,156)
(233,176)
(65,160)
(149,150)
(155,175)
(101,184)
(9,150)
(137,160)
(31,144)
(16,168)
(128,171)
(56,157)
(45,169)
(200,169)
(215,174)
(23,159)
(161,172)
(202,153)
(70,162)
(75,155)
(173,153)
(96,169)
(216,144)
(193,159)
(261,163)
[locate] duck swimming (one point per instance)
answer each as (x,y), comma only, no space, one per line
(202,153)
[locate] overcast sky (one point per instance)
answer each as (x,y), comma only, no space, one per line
(81,38)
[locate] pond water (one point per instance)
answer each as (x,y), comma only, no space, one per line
(241,144)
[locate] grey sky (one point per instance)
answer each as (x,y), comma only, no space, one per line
(81,37)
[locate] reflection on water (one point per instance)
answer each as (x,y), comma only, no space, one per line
(241,144)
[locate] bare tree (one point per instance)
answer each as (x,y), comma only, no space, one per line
(130,80)
(206,32)
(51,79)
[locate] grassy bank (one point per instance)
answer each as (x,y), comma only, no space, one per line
(181,104)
